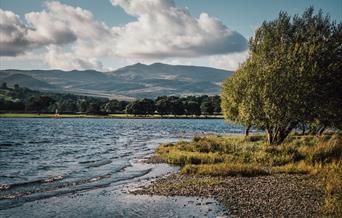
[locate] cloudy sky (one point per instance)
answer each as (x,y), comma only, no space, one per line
(108,34)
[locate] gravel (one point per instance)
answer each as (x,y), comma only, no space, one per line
(261,196)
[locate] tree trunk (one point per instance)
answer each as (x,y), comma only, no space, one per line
(321,130)
(303,129)
(277,135)
(247,131)
(269,136)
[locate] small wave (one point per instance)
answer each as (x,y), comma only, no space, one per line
(122,168)
(6,144)
(53,178)
(4,187)
(87,161)
(45,167)
(99,163)
(33,182)
(125,154)
(67,152)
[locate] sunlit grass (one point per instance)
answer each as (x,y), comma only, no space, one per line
(332,177)
(239,156)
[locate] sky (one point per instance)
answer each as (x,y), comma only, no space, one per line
(109,34)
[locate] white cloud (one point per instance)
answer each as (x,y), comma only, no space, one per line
(59,24)
(228,61)
(57,58)
(162,30)
(73,39)
(12,34)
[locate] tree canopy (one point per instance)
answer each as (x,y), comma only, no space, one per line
(292,76)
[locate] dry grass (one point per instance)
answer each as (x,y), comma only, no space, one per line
(224,169)
(332,178)
(239,156)
(297,168)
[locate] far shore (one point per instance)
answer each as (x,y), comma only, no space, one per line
(109,116)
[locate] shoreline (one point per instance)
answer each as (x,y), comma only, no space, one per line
(110,116)
(278,195)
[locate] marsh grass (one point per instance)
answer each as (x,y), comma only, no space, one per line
(214,155)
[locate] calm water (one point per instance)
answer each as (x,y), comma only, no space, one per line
(44,161)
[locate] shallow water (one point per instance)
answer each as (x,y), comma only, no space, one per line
(44,161)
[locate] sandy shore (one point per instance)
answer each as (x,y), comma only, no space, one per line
(261,196)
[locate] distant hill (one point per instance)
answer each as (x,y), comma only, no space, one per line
(26,81)
(134,81)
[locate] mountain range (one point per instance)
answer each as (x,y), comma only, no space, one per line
(130,82)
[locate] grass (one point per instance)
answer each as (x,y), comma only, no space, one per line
(224,169)
(332,178)
(118,116)
(214,155)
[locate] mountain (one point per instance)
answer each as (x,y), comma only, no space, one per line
(134,81)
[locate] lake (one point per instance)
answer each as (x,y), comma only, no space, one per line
(80,166)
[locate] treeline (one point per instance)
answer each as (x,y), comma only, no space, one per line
(173,105)
(20,99)
(24,100)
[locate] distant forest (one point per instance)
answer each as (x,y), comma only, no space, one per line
(24,100)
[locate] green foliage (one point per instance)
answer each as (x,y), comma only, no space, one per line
(206,108)
(141,107)
(192,108)
(177,106)
(39,103)
(162,105)
(292,76)
(21,100)
(93,108)
(115,106)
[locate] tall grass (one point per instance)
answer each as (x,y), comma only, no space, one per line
(239,156)
(332,178)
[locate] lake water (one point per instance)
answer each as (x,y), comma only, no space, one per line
(77,167)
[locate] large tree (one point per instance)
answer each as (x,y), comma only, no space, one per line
(292,75)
